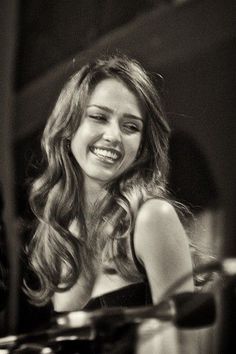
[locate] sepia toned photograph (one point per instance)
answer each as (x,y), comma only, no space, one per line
(117,177)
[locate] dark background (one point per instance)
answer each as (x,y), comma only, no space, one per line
(192,46)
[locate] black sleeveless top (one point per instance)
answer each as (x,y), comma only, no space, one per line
(132,295)
(120,340)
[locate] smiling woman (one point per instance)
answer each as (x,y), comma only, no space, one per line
(107,234)
(109,136)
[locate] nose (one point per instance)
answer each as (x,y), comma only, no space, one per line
(112,132)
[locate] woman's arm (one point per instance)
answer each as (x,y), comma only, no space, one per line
(162,246)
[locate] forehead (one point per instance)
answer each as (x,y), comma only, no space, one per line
(115,94)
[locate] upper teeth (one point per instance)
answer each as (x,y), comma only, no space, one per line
(105,153)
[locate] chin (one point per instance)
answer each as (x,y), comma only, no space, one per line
(101,177)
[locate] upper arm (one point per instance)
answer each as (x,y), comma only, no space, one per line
(161,244)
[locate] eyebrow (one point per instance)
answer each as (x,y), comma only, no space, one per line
(107,109)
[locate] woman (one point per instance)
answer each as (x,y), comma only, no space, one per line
(107,235)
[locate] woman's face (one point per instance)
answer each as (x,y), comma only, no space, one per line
(109,136)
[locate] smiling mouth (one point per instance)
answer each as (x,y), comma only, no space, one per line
(105,154)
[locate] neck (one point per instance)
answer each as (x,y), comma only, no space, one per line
(92,191)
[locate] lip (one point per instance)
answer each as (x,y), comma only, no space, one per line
(108,159)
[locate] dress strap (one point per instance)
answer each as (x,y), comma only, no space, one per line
(136,261)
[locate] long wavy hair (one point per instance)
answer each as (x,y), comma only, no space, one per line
(57,256)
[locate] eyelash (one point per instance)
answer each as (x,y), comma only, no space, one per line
(128,126)
(97,117)
(132,127)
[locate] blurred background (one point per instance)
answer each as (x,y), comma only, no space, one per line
(190,43)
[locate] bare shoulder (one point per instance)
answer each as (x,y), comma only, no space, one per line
(159,209)
(162,246)
(158,214)
(158,224)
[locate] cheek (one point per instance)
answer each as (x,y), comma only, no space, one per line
(74,143)
(80,138)
(77,144)
(132,148)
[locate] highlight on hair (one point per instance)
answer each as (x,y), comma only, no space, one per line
(57,256)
